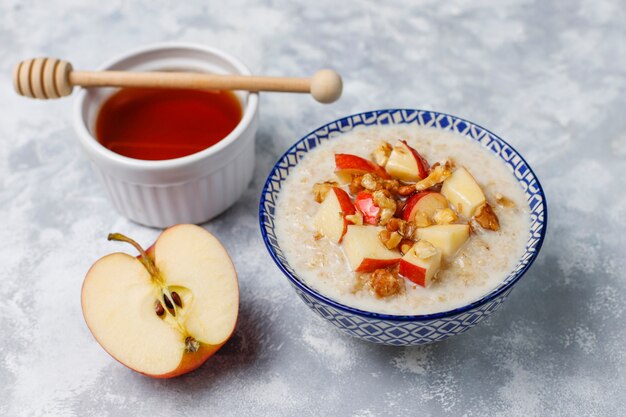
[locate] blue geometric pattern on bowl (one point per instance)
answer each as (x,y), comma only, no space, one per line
(395,329)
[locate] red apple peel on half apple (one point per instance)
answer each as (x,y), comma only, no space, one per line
(165,312)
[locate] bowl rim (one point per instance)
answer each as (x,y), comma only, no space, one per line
(392,317)
(91,143)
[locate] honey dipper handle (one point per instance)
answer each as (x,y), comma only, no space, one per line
(51,78)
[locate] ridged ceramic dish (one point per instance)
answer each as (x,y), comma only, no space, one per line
(191,189)
(395,329)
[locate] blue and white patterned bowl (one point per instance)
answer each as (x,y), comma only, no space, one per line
(394,329)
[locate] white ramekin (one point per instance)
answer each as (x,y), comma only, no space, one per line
(191,189)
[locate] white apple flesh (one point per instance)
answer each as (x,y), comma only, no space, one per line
(406,164)
(427,202)
(449,237)
(365,251)
(420,263)
(166,312)
(463,192)
(330,219)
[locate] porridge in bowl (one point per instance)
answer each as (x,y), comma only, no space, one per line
(402,220)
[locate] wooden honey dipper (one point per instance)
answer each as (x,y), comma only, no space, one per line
(46,78)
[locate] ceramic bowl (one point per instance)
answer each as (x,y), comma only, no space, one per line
(191,189)
(396,329)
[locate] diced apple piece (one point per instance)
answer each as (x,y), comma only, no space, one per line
(462,190)
(364,203)
(427,202)
(447,237)
(421,263)
(406,164)
(330,219)
(347,165)
(365,251)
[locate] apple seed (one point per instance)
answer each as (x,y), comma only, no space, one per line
(169,305)
(158,308)
(176,299)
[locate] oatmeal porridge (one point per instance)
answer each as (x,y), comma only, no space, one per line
(402,220)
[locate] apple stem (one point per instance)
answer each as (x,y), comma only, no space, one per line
(145,259)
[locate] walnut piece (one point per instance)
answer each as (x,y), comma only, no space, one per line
(387,204)
(321,189)
(404,228)
(445,216)
(405,245)
(356,218)
(355,185)
(372,182)
(438,174)
(421,219)
(424,249)
(487,218)
(394,224)
(391,240)
(504,201)
(406,190)
(381,153)
(385,284)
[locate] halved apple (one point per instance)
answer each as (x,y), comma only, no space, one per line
(365,251)
(427,202)
(364,203)
(462,190)
(420,263)
(330,219)
(447,237)
(347,165)
(167,311)
(406,164)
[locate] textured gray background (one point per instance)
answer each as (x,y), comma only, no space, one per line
(548,76)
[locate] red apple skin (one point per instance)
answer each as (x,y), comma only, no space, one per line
(369,264)
(346,207)
(189,362)
(412,272)
(422,165)
(364,202)
(411,202)
(349,162)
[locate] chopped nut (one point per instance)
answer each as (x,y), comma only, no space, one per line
(381,153)
(421,219)
(385,284)
(391,186)
(438,174)
(487,218)
(394,224)
(321,189)
(400,207)
(390,239)
(406,245)
(372,182)
(318,236)
(504,201)
(356,218)
(409,229)
(355,185)
(384,236)
(387,205)
(445,216)
(424,249)
(406,190)
(394,240)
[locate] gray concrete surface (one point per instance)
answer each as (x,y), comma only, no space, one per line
(548,76)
